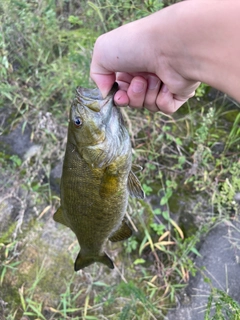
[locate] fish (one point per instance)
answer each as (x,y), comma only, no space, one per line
(97,176)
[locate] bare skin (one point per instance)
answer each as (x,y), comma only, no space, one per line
(160,60)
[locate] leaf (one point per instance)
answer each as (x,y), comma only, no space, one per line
(161,246)
(165,243)
(100,284)
(195,251)
(163,201)
(96,8)
(7,95)
(157,211)
(177,227)
(139,261)
(164,235)
(165,215)
(75,20)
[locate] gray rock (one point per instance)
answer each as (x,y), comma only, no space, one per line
(9,211)
(18,141)
(219,261)
(55,177)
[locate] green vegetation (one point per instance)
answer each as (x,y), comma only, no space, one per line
(225,307)
(190,167)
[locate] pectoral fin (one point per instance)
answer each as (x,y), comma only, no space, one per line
(84,261)
(58,217)
(124,232)
(136,168)
(134,186)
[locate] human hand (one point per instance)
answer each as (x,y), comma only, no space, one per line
(159,60)
(146,90)
(144,73)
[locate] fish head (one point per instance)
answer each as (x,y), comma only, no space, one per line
(90,115)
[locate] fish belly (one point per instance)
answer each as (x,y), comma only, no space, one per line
(92,217)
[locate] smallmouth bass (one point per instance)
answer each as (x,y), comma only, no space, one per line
(97,177)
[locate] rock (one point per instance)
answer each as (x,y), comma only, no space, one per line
(32,151)
(17,141)
(220,256)
(237,197)
(9,211)
(55,177)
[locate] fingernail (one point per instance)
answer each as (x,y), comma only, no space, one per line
(153,82)
(164,88)
(137,86)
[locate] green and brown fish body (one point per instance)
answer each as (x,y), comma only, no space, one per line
(97,177)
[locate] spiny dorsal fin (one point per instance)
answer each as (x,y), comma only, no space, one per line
(58,217)
(124,232)
(134,186)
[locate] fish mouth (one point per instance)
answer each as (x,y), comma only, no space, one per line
(108,103)
(94,106)
(92,99)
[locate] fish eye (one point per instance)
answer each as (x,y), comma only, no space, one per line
(77,122)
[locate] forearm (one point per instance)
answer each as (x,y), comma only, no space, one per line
(203,42)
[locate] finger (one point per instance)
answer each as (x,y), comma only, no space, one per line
(123,79)
(104,82)
(137,91)
(101,74)
(168,103)
(154,84)
(123,85)
(121,98)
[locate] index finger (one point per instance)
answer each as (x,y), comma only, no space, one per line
(103,81)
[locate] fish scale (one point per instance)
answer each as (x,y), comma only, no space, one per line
(97,177)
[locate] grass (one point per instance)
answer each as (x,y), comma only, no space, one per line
(225,306)
(192,157)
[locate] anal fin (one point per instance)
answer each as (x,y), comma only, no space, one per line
(123,233)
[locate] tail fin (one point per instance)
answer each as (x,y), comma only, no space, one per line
(84,261)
